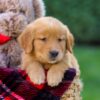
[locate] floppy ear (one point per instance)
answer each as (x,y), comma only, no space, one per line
(69,41)
(26,39)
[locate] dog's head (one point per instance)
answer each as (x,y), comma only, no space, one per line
(48,39)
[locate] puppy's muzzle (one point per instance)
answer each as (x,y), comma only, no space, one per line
(53,54)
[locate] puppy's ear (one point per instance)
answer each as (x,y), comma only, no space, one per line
(70,40)
(26,39)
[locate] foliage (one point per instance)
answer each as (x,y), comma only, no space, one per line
(82,17)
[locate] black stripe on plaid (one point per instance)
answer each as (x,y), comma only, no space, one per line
(70,74)
(14,77)
(4,88)
(46,95)
(8,93)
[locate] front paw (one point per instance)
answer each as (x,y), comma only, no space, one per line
(54,77)
(37,77)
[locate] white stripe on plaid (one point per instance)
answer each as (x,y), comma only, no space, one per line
(7,92)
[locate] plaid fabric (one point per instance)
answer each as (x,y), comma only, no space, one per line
(15,86)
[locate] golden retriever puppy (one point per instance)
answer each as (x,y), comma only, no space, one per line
(47,44)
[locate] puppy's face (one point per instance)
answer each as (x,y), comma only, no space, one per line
(50,44)
(48,40)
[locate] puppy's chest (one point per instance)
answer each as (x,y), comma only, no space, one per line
(47,66)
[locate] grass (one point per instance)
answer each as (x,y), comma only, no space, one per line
(89,60)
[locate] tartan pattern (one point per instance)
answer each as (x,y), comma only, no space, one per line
(8,94)
(15,86)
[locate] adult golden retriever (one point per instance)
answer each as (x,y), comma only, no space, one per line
(47,44)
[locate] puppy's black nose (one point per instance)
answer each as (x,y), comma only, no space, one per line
(53,54)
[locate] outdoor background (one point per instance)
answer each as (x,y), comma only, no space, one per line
(83,19)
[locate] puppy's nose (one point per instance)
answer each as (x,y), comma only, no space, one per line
(53,54)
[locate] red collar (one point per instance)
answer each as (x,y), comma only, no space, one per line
(4,39)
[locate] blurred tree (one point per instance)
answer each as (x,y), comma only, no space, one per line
(81,16)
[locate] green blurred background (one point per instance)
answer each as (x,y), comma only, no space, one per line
(83,19)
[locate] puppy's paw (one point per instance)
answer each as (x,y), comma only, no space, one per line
(54,77)
(37,77)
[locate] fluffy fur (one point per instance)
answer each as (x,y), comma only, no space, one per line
(39,40)
(14,16)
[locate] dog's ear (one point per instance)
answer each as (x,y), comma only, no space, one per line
(69,40)
(26,39)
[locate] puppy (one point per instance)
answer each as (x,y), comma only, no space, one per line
(47,44)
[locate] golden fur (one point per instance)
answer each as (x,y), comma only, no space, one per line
(39,40)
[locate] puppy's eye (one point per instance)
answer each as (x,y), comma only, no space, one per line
(43,39)
(60,39)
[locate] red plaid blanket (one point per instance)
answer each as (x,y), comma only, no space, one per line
(15,86)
